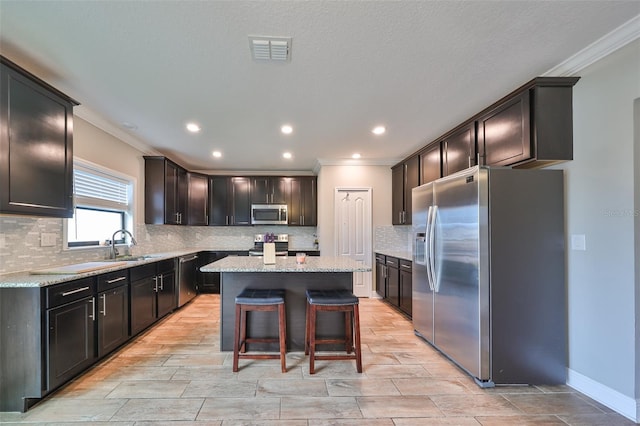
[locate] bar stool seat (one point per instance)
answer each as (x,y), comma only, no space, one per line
(259,300)
(333,301)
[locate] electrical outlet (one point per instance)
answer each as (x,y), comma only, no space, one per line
(578,242)
(47,239)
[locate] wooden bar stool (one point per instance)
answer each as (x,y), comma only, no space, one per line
(333,301)
(259,300)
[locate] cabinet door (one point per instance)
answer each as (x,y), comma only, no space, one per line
(71,340)
(393,280)
(411,180)
(397,195)
(113,319)
(405,287)
(218,200)
(260,191)
(166,288)
(381,276)
(280,190)
(303,202)
(459,150)
(198,199)
(504,134)
(240,201)
(36,148)
(176,190)
(430,164)
(143,304)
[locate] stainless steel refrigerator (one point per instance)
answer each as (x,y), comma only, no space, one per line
(489,273)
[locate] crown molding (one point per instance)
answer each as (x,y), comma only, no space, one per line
(92,117)
(609,43)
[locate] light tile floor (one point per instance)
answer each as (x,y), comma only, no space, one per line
(175,374)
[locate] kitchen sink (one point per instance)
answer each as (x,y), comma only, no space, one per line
(131,258)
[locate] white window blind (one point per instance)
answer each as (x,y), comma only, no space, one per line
(95,188)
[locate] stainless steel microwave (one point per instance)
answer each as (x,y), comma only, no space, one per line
(269,214)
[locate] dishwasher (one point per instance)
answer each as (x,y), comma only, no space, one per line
(186,278)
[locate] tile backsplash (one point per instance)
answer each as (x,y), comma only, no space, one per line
(392,237)
(20,248)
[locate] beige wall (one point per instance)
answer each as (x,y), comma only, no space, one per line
(96,146)
(378,178)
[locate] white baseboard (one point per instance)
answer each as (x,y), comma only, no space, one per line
(613,399)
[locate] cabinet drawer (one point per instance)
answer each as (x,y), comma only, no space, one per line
(381,258)
(143,271)
(112,280)
(392,261)
(68,292)
(165,266)
(405,265)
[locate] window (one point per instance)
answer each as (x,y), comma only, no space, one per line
(103,204)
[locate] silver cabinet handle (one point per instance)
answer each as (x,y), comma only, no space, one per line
(115,280)
(155,284)
(161,282)
(77,290)
(93,309)
(104,305)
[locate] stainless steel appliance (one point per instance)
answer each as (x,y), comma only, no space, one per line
(281,241)
(186,278)
(269,214)
(489,273)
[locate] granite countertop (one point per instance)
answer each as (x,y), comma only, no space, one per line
(400,254)
(285,264)
(26,279)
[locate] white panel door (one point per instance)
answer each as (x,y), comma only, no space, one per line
(353,233)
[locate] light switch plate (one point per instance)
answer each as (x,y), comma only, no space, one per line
(47,239)
(578,242)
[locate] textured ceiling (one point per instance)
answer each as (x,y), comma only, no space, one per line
(418,67)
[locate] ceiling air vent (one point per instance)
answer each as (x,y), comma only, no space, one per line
(274,49)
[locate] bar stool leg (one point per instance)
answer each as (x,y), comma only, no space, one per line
(307,328)
(348,332)
(236,340)
(282,326)
(312,339)
(357,347)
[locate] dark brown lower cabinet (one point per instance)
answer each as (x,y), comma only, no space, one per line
(381,275)
(71,340)
(406,288)
(393,281)
(113,319)
(153,293)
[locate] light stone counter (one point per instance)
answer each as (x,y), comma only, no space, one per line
(25,279)
(285,264)
(400,254)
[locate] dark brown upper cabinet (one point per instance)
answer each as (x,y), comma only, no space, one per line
(404,177)
(303,206)
(229,201)
(458,149)
(166,191)
(36,145)
(198,200)
(269,190)
(532,127)
(430,163)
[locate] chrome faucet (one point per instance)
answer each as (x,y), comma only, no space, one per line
(114,252)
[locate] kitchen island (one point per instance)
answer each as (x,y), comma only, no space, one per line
(317,273)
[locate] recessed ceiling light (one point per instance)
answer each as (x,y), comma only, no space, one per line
(193,127)
(287,155)
(217,154)
(129,126)
(286,129)
(378,130)
(355,156)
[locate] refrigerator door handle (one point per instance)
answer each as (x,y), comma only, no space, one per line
(426,248)
(432,254)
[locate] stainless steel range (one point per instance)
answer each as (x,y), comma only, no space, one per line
(281,241)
